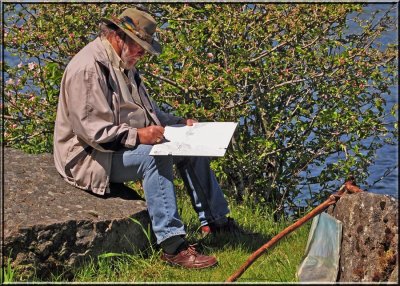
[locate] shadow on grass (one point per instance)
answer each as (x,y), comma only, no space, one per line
(213,242)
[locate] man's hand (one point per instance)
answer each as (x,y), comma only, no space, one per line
(189,122)
(150,135)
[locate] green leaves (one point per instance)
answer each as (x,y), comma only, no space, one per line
(302,86)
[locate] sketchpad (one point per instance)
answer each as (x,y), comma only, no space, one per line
(321,262)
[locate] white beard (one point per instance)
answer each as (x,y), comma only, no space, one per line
(125,59)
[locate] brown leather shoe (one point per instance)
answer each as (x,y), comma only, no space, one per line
(189,258)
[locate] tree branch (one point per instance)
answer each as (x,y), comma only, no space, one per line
(171,82)
(295,81)
(262,55)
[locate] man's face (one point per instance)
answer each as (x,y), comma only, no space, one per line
(131,52)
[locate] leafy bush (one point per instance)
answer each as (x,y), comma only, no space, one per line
(302,87)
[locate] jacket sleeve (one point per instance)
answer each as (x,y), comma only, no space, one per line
(91,114)
(164,117)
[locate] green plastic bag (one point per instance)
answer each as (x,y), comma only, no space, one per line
(321,262)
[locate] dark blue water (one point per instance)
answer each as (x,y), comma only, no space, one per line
(383,174)
(387,156)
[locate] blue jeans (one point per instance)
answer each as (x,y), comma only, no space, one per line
(157,174)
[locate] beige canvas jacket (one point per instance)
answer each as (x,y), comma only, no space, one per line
(90,126)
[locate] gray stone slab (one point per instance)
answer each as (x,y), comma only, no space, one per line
(50,225)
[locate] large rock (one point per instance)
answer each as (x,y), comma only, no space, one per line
(51,226)
(370,237)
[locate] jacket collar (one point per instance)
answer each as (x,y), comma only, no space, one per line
(114,58)
(99,52)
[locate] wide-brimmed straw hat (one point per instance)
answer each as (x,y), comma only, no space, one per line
(140,26)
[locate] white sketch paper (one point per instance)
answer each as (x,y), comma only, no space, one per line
(201,139)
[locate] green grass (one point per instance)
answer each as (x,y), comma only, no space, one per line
(276,265)
(7,273)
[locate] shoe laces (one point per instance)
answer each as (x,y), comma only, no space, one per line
(191,249)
